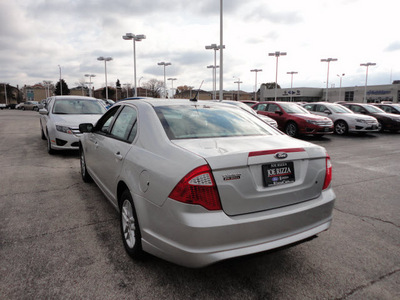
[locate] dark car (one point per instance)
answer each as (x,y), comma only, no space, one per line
(389,108)
(293,119)
(387,121)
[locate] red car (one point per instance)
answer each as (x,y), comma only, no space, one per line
(293,119)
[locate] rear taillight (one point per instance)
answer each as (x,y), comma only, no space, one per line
(328,173)
(198,187)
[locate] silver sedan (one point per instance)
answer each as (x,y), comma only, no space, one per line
(59,121)
(198,182)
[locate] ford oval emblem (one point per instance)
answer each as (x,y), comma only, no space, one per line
(281,155)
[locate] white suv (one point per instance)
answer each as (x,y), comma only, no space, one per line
(343,118)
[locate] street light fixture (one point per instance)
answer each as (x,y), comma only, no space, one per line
(164,64)
(366,78)
(238,94)
(90,83)
(172,84)
(106,59)
(277,54)
(291,84)
(328,60)
(134,38)
(340,86)
(255,85)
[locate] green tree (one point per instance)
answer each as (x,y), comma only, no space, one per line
(65,89)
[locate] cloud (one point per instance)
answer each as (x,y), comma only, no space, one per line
(395,46)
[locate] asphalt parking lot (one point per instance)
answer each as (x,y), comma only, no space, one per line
(60,239)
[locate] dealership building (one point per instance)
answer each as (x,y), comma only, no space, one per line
(374,94)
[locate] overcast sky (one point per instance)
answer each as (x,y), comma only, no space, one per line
(38,35)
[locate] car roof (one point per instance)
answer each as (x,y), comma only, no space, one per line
(68,97)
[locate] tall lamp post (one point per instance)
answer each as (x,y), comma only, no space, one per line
(172,85)
(47,84)
(328,60)
(255,85)
(291,83)
(164,64)
(238,83)
(214,74)
(60,80)
(106,59)
(340,86)
(134,38)
(221,53)
(277,54)
(215,48)
(90,83)
(366,78)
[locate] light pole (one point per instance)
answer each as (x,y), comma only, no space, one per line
(90,83)
(366,78)
(291,84)
(139,83)
(60,80)
(238,83)
(221,53)
(255,85)
(135,38)
(276,54)
(340,86)
(164,64)
(106,59)
(47,84)
(5,92)
(215,48)
(172,84)
(328,60)
(214,74)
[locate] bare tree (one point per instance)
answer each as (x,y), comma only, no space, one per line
(154,87)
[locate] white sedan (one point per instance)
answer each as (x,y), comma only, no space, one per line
(344,119)
(59,121)
(198,182)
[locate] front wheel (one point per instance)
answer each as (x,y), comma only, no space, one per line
(291,129)
(130,229)
(85,175)
(341,128)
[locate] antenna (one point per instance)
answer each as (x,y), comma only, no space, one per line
(195,97)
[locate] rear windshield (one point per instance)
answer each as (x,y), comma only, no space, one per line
(78,107)
(203,121)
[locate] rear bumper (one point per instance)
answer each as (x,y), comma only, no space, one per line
(194,237)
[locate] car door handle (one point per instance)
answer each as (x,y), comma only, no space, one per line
(118,155)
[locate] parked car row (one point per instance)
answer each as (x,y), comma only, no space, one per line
(311,118)
(196,182)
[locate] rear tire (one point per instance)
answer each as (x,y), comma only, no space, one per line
(130,230)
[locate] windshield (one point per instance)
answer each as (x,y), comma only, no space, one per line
(340,109)
(373,109)
(292,108)
(203,121)
(78,107)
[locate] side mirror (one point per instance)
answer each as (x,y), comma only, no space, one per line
(326,111)
(279,112)
(43,111)
(86,127)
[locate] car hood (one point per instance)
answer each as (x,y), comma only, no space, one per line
(310,117)
(358,116)
(74,120)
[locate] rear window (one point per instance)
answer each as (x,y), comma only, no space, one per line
(203,121)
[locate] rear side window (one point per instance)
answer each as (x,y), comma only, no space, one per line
(124,127)
(203,121)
